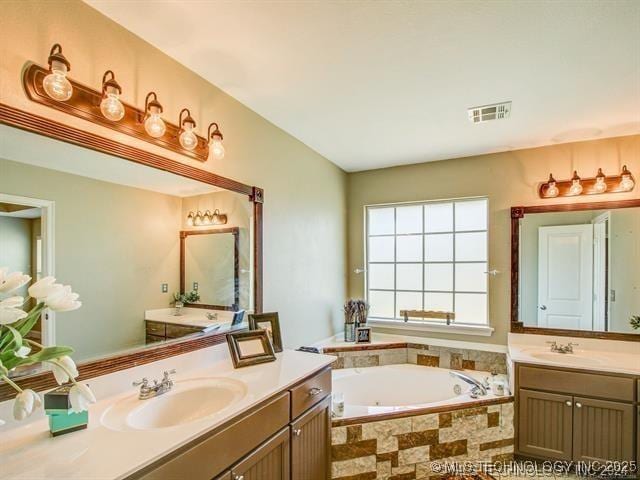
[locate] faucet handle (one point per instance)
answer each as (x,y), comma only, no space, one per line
(167,373)
(144,382)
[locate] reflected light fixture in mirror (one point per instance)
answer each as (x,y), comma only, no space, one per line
(576,185)
(552,190)
(153,123)
(111,106)
(207,218)
(215,137)
(187,137)
(601,185)
(56,83)
(626,180)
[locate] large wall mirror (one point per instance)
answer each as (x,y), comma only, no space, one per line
(112,228)
(576,269)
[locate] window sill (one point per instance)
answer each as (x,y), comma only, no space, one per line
(479,330)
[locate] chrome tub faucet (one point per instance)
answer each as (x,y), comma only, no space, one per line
(568,348)
(478,388)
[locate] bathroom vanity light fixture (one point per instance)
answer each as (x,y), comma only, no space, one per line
(576,186)
(199,219)
(187,136)
(51,87)
(215,137)
(56,83)
(111,106)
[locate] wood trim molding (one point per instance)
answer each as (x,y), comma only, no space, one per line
(517,326)
(33,123)
(235,231)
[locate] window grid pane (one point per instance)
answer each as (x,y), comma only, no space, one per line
(428,261)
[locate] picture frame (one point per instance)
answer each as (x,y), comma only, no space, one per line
(250,348)
(271,323)
(363,335)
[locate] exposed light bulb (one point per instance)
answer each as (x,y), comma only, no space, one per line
(601,184)
(217,148)
(111,107)
(154,125)
(198,220)
(576,186)
(56,84)
(626,182)
(188,139)
(190,219)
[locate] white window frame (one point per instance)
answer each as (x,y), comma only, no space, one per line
(427,325)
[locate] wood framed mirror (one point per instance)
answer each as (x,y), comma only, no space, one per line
(574,269)
(210,266)
(102,165)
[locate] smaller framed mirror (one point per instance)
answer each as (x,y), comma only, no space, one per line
(210,266)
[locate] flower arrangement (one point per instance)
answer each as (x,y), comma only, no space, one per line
(635,322)
(16,350)
(179,299)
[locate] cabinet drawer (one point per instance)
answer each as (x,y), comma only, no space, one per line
(156,328)
(310,392)
(177,331)
(154,339)
(576,383)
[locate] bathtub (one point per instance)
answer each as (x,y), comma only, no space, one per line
(404,387)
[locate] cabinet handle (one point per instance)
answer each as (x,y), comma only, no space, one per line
(297,432)
(238,477)
(315,391)
(568,403)
(578,404)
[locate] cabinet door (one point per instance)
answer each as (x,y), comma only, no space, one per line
(270,461)
(310,443)
(602,430)
(545,424)
(224,476)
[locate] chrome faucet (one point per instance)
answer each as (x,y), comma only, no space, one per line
(568,348)
(479,389)
(211,316)
(158,388)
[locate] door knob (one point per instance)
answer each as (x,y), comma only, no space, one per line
(568,403)
(297,432)
(543,307)
(578,404)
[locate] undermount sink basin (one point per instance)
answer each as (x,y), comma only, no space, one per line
(567,358)
(188,401)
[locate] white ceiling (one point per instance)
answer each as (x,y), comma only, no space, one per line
(371,84)
(24,147)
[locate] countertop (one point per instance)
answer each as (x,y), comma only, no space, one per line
(28,452)
(190,317)
(611,356)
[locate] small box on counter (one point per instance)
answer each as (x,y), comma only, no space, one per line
(62,420)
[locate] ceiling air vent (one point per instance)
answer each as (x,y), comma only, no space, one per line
(485,113)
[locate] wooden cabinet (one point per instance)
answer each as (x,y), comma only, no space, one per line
(311,443)
(160,331)
(578,416)
(269,462)
(545,424)
(602,430)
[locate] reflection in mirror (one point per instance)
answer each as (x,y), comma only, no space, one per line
(250,347)
(579,270)
(111,228)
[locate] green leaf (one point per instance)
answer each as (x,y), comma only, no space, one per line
(12,339)
(47,353)
(25,325)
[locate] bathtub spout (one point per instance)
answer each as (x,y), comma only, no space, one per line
(478,388)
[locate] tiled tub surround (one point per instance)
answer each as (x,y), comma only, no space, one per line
(378,354)
(404,448)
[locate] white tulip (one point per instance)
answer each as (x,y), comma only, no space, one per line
(25,404)
(64,369)
(44,287)
(63,301)
(80,396)
(12,302)
(11,281)
(11,315)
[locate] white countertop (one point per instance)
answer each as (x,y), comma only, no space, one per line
(190,317)
(595,354)
(27,451)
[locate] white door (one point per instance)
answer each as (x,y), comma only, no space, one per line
(565,277)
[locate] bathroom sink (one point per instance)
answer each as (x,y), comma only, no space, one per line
(567,358)
(188,401)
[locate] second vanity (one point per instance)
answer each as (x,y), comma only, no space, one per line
(216,422)
(580,406)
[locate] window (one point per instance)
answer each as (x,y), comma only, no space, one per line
(428,256)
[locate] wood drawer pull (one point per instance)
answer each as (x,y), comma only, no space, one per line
(568,403)
(578,404)
(297,432)
(315,391)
